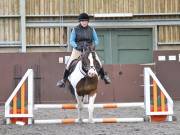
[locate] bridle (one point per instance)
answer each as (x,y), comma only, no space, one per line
(84,69)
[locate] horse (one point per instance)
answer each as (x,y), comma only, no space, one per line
(83,81)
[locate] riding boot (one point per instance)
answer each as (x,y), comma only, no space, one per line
(62,82)
(104,76)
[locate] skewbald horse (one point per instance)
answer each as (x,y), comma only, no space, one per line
(84,80)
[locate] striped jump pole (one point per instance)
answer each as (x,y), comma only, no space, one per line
(96,120)
(74,106)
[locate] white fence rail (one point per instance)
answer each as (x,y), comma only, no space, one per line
(28,75)
(147,95)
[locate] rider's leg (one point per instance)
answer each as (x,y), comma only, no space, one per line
(62,82)
(102,73)
(104,76)
(74,55)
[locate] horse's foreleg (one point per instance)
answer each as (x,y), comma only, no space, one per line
(80,106)
(91,107)
(85,99)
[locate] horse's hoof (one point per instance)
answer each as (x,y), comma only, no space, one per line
(91,121)
(80,120)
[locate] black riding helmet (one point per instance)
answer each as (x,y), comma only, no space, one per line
(83,17)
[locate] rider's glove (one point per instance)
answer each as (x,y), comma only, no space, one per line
(79,48)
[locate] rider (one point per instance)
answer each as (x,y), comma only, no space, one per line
(82,35)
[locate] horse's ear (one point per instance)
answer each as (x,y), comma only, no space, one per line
(92,47)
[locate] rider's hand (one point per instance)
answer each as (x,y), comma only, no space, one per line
(79,48)
(86,47)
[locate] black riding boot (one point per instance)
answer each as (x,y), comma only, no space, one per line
(62,82)
(104,76)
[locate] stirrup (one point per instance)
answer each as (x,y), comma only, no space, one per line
(61,83)
(106,79)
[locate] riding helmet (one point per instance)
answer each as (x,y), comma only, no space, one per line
(83,17)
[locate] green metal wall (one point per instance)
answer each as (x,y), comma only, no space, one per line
(125,46)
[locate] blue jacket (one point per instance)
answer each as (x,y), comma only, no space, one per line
(73,37)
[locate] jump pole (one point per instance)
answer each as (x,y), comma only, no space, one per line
(74,106)
(96,120)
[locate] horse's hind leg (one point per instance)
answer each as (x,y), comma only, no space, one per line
(91,107)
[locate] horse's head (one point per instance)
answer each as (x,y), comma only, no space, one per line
(90,64)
